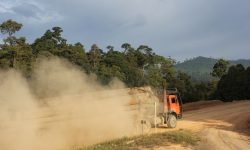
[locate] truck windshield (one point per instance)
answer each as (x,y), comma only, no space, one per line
(173,100)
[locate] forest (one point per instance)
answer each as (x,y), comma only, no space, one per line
(135,66)
(199,68)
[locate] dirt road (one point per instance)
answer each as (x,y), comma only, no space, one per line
(221,126)
(224,126)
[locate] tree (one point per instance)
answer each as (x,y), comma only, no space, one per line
(94,57)
(74,53)
(56,34)
(220,68)
(106,74)
(130,54)
(167,69)
(126,47)
(50,43)
(233,85)
(15,53)
(183,83)
(144,56)
(19,57)
(153,76)
(10,27)
(110,48)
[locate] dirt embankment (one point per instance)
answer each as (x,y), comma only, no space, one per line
(221,126)
(201,105)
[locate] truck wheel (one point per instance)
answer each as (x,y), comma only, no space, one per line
(171,122)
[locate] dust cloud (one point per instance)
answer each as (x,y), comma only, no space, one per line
(60,107)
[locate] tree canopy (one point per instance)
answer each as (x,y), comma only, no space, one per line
(220,68)
(135,66)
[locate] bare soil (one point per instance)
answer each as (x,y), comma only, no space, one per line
(201,104)
(220,125)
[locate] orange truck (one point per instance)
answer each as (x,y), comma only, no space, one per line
(170,108)
(167,106)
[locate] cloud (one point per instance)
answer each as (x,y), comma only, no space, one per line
(29,11)
(4,9)
(177,28)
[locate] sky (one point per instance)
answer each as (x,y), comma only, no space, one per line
(181,29)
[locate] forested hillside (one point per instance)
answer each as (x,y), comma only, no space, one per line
(199,68)
(134,66)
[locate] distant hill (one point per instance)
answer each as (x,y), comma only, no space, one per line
(244,62)
(199,68)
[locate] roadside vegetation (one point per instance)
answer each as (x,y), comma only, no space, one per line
(182,137)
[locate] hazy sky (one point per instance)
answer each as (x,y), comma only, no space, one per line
(177,28)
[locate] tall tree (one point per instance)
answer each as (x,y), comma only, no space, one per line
(10,27)
(220,68)
(94,56)
(50,42)
(232,86)
(110,48)
(130,54)
(153,76)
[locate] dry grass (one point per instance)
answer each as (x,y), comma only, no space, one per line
(146,141)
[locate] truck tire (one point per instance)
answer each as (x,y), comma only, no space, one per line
(171,122)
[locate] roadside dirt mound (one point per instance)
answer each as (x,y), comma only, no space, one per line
(201,105)
(140,95)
